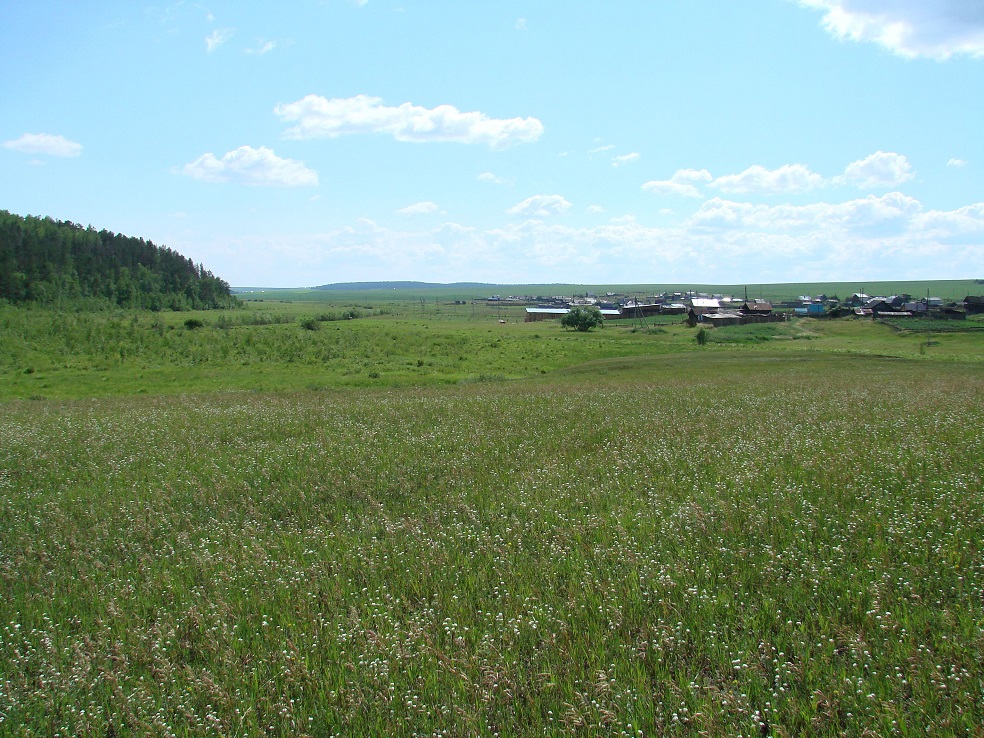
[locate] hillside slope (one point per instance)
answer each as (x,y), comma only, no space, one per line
(54,262)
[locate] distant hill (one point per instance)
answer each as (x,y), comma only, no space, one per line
(396,285)
(54,262)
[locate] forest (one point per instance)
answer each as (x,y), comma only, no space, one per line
(61,263)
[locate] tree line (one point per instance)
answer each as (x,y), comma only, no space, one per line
(59,262)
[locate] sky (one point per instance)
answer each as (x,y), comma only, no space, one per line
(308,142)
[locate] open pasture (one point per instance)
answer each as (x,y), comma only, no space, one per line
(718,543)
(289,346)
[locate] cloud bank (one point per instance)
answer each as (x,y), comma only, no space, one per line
(886,237)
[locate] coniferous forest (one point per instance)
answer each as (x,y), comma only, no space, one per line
(56,262)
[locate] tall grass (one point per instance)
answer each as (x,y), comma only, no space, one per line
(696,545)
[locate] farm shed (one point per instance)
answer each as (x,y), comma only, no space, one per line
(640,309)
(722,318)
(756,307)
(536,314)
(951,313)
(759,311)
(704,305)
(974,304)
(673,308)
(813,309)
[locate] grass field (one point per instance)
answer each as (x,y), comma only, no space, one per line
(777,533)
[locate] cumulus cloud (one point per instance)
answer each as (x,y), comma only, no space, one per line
(682,184)
(957,163)
(937,29)
(250,166)
(44,143)
(218,37)
(317,117)
(881,169)
(871,216)
(419,208)
(540,206)
(619,161)
(758,179)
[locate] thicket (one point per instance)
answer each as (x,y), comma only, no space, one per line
(54,262)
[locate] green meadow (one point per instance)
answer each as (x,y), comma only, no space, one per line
(355,515)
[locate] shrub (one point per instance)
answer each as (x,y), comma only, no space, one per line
(582,319)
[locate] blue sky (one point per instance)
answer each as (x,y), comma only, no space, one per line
(672,141)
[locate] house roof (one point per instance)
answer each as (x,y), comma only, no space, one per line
(704,302)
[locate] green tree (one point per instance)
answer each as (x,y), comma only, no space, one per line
(582,318)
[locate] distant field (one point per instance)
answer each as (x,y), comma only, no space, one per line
(946,289)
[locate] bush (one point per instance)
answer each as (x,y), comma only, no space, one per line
(582,319)
(193,323)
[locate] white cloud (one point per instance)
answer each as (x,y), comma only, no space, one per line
(250,166)
(521,24)
(44,143)
(957,163)
(262,47)
(871,216)
(601,149)
(494,179)
(594,209)
(682,184)
(619,161)
(758,179)
(937,29)
(318,117)
(218,37)
(419,208)
(881,169)
(540,206)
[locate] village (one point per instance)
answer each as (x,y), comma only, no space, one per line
(719,309)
